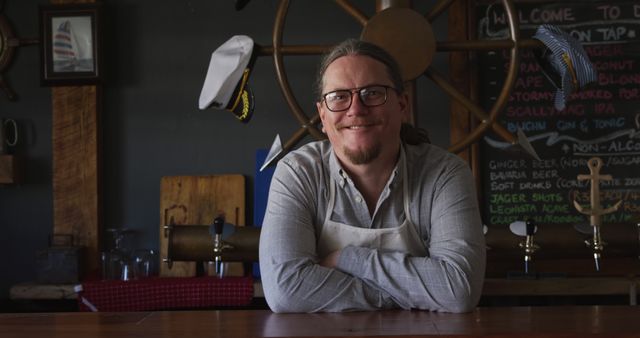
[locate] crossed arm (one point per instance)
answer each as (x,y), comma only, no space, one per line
(448,279)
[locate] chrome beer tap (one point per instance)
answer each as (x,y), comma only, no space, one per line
(219,245)
(528,245)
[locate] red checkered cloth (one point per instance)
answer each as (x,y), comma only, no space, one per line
(165,293)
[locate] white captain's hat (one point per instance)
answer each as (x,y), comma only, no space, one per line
(225,86)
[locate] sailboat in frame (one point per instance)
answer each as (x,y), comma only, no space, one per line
(70,52)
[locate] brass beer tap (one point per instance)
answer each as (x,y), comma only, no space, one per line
(527,230)
(596,211)
(528,245)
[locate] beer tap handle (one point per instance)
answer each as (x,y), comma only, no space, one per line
(218,227)
(530,247)
(531,227)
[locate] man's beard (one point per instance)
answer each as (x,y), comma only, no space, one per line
(363,156)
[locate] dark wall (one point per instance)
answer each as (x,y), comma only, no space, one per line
(156,57)
(26,213)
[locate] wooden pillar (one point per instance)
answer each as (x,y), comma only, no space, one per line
(76,164)
(461,68)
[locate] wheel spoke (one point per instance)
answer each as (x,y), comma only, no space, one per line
(456,94)
(281,74)
(503,133)
(353,11)
(451,46)
(471,106)
(294,50)
(440,7)
(470,45)
(300,133)
(530,43)
(26,41)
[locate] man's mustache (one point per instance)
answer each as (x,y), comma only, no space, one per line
(358,122)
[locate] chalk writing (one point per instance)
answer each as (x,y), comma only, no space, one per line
(601,120)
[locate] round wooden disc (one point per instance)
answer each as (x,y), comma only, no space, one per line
(406,35)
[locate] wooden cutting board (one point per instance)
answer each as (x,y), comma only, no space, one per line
(195,200)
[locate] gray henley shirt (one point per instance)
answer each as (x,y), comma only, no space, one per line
(443,207)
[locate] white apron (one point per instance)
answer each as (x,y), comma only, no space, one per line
(405,238)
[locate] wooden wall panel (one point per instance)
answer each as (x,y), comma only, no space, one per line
(76,174)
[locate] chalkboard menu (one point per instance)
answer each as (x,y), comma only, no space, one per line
(602,120)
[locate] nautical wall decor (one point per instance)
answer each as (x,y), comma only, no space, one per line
(70,48)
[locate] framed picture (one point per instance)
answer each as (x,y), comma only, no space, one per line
(70,44)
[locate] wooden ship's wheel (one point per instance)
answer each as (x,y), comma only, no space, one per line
(7,46)
(8,43)
(408,36)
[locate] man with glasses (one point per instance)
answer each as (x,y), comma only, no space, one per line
(374,217)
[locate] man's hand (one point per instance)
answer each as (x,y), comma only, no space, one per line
(331,260)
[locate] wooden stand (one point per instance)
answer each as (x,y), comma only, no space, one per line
(197,200)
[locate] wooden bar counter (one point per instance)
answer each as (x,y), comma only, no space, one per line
(565,321)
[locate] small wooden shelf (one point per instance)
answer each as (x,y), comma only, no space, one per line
(10,169)
(34,291)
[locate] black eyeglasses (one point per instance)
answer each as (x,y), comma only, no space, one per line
(370,96)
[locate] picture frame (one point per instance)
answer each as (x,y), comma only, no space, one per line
(71,51)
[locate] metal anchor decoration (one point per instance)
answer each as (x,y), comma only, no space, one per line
(596,211)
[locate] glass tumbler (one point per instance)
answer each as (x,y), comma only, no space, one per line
(146,262)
